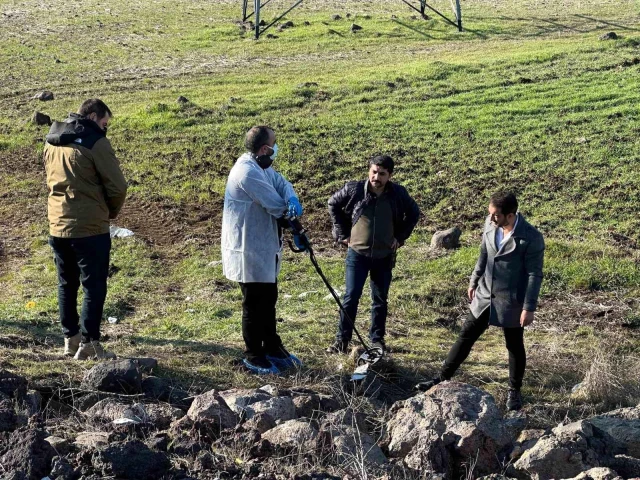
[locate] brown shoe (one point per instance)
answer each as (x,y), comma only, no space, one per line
(71,345)
(93,351)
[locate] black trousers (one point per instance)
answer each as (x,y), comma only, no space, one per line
(471,331)
(259,319)
(81,261)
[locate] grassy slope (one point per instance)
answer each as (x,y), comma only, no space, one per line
(528,98)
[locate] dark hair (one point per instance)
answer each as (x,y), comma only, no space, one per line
(257,137)
(505,201)
(94,105)
(384,161)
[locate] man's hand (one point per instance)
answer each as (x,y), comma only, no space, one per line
(346,241)
(471,292)
(526,318)
(395,245)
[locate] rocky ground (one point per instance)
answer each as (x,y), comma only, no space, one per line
(123,422)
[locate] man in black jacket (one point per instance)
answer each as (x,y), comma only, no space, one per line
(373,218)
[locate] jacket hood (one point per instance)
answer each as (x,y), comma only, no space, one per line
(75,129)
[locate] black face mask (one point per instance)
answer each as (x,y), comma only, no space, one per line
(264,161)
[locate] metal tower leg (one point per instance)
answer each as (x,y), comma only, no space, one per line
(256,6)
(244,10)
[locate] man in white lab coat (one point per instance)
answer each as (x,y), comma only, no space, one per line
(256,196)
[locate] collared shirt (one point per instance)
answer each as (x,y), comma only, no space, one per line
(501,238)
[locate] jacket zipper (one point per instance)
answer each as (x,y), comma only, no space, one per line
(373,241)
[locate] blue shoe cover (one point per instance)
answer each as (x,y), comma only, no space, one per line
(287,362)
(260,370)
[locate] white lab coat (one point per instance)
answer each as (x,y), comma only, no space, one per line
(253,201)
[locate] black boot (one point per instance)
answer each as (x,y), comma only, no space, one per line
(424,386)
(514,400)
(339,346)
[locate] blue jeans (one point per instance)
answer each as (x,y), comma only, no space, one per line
(81,261)
(358,268)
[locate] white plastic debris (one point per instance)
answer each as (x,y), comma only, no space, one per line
(215,263)
(286,296)
(576,387)
(360,373)
(188,299)
(306,294)
(112,320)
(190,310)
(119,232)
(125,421)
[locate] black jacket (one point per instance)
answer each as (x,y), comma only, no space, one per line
(347,204)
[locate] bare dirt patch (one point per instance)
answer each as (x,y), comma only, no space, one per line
(164,223)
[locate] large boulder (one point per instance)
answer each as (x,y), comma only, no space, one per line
(447,239)
(451,416)
(131,460)
(307,405)
(623,425)
(211,408)
(117,376)
(293,436)
(568,451)
(29,454)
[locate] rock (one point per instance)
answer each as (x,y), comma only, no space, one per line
(210,407)
(43,96)
(12,385)
(351,445)
(447,239)
(526,440)
(239,399)
(8,417)
(453,415)
(609,36)
(33,402)
(29,453)
(180,427)
(493,476)
(41,119)
(293,435)
(626,466)
(286,25)
(131,460)
(515,422)
(118,376)
(329,403)
(182,100)
(336,17)
(92,440)
(279,408)
(159,442)
(623,425)
(108,410)
(163,390)
(61,469)
(598,473)
(205,462)
(59,444)
(567,451)
(147,364)
(272,36)
(261,422)
(85,402)
(185,445)
(261,449)
(345,417)
(355,28)
(306,405)
(162,415)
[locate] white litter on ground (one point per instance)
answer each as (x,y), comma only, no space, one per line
(119,232)
(112,320)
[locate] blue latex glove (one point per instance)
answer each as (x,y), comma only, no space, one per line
(294,209)
(299,243)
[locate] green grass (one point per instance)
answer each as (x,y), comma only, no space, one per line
(526,98)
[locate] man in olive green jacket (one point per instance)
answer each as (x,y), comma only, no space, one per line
(86,189)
